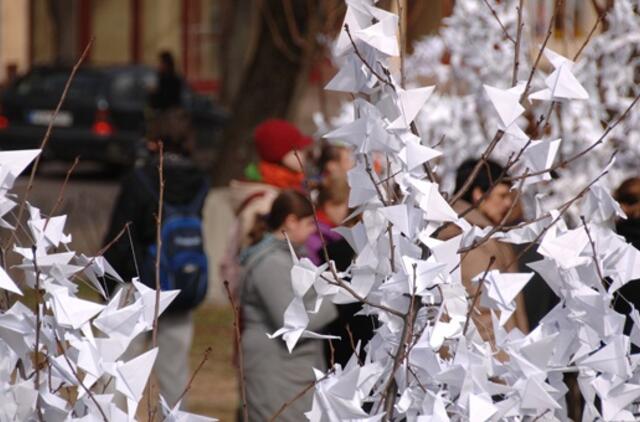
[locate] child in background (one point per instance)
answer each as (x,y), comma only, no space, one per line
(332,208)
(272,374)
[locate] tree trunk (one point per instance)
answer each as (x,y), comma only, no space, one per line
(268,86)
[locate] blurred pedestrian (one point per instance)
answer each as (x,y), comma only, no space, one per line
(279,145)
(185,188)
(628,195)
(274,376)
(487,210)
(335,160)
(168,120)
(332,208)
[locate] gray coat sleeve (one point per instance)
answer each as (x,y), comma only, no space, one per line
(273,287)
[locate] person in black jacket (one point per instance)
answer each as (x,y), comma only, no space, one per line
(167,118)
(168,91)
(628,195)
(137,204)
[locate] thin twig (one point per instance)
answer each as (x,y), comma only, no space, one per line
(542,47)
(516,58)
(108,246)
(561,213)
(492,260)
(593,30)
(504,30)
(58,202)
(238,338)
(362,59)
(75,374)
(47,134)
(593,250)
(156,311)
(585,151)
(36,381)
(298,396)
(205,357)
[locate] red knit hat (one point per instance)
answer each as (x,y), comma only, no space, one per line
(275,138)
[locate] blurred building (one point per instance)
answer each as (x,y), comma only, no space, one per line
(126,31)
(14,38)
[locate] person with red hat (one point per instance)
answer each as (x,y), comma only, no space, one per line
(278,167)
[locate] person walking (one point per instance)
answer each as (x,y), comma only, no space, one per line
(184,194)
(167,118)
(274,376)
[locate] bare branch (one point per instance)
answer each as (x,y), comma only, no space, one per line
(542,47)
(597,23)
(75,374)
(362,59)
(492,260)
(516,57)
(504,30)
(238,340)
(58,202)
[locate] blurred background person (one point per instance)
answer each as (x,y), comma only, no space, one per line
(628,195)
(167,119)
(335,160)
(274,376)
(487,211)
(185,186)
(331,209)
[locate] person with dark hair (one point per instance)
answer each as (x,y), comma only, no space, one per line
(167,119)
(491,203)
(168,91)
(272,374)
(497,202)
(185,189)
(335,160)
(628,195)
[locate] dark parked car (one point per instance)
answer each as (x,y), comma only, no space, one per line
(102,118)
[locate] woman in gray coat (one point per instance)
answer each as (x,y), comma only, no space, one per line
(273,376)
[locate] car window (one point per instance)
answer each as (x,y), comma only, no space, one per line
(51,84)
(128,88)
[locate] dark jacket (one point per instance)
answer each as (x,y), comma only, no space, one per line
(136,203)
(630,292)
(168,93)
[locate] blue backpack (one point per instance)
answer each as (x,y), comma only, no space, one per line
(183,262)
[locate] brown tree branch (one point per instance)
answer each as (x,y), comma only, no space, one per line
(60,197)
(504,30)
(238,341)
(541,50)
(516,57)
(476,296)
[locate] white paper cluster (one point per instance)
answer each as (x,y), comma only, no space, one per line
(433,368)
(80,342)
(477,54)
